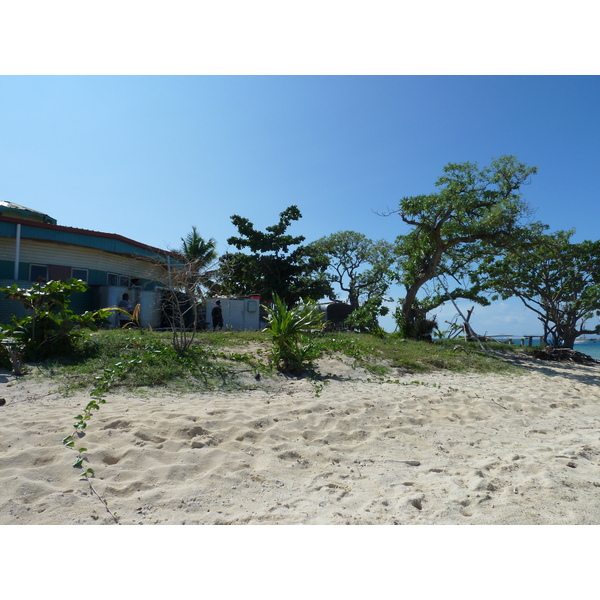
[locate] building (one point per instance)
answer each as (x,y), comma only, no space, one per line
(33,247)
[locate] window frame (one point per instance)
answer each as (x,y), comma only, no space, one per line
(121,280)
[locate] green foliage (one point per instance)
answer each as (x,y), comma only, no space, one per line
(273,268)
(556,279)
(292,349)
(474,215)
(274,240)
(364,319)
(357,264)
(419,327)
(384,356)
(187,282)
(129,360)
(195,274)
(79,427)
(51,328)
(133,359)
(197,250)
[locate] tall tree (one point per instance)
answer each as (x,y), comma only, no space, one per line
(197,250)
(556,279)
(357,265)
(200,261)
(476,212)
(273,267)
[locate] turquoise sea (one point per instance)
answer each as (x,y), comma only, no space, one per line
(589,347)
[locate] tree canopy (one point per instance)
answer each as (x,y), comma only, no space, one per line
(357,264)
(556,279)
(197,271)
(476,212)
(197,250)
(273,267)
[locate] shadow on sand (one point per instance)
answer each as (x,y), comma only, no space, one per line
(582,373)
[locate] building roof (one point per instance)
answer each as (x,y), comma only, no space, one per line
(10,209)
(110,242)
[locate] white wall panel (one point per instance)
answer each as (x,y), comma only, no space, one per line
(48,253)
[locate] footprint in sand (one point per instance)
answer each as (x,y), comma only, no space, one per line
(289,455)
(110,459)
(148,437)
(247,435)
(192,432)
(118,424)
(294,456)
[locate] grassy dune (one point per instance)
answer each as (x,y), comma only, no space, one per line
(133,359)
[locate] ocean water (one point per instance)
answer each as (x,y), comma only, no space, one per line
(589,347)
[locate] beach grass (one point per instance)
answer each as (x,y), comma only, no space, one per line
(140,359)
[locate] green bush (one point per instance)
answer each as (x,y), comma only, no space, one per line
(364,319)
(50,328)
(292,349)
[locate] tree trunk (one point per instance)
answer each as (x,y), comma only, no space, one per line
(469,333)
(568,339)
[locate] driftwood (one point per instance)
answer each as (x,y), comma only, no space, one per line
(564,355)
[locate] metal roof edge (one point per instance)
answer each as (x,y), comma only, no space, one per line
(24,210)
(88,232)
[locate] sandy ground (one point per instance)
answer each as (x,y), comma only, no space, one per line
(428,449)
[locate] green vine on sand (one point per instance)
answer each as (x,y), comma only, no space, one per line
(103,383)
(69,442)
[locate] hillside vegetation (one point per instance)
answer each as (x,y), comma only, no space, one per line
(126,360)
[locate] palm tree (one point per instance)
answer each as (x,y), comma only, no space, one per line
(198,251)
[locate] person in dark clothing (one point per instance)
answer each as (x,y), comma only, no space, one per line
(125,320)
(217,316)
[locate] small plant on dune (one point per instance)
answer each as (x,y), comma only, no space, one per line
(104,382)
(319,385)
(80,425)
(292,349)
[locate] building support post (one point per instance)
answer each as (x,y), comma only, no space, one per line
(17,251)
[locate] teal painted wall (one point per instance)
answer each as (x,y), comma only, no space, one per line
(7,269)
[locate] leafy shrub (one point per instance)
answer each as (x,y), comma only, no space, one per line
(292,348)
(50,328)
(364,319)
(419,328)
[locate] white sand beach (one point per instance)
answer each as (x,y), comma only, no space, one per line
(429,449)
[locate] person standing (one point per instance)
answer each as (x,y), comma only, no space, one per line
(124,304)
(217,316)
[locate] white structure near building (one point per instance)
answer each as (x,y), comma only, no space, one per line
(239,314)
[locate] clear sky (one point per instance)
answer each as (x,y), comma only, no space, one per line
(147,157)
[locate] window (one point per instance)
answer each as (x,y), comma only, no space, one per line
(114,279)
(80,274)
(38,273)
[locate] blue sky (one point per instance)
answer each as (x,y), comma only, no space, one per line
(148,157)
